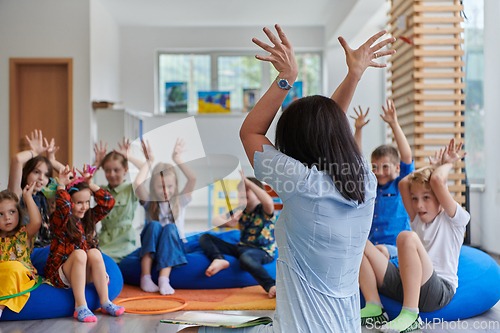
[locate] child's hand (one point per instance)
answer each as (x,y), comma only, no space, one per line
(65,175)
(390,115)
(28,192)
(236,216)
(36,142)
(87,173)
(178,150)
(362,58)
(148,153)
(100,153)
(438,158)
(282,56)
(451,154)
(124,149)
(243,178)
(360,119)
(51,149)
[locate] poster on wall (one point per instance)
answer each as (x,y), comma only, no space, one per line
(250,97)
(213,102)
(294,94)
(176,97)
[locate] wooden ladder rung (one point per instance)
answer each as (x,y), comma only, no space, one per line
(438,75)
(437,30)
(429,97)
(443,8)
(442,64)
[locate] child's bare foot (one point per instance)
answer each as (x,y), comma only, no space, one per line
(216,266)
(272,292)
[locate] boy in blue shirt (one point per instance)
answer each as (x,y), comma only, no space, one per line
(389,216)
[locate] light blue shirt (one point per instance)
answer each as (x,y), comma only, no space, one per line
(321,237)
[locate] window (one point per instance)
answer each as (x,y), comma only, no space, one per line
(474,97)
(236,73)
(194,69)
(229,72)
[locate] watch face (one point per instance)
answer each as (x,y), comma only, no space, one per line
(283,83)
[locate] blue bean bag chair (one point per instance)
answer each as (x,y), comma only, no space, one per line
(49,302)
(192,275)
(478,289)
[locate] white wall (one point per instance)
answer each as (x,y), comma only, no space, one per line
(138,47)
(104,54)
(371,89)
(49,28)
(491,196)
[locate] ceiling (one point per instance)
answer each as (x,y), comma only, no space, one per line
(227,12)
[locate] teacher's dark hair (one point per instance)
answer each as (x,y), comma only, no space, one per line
(314,130)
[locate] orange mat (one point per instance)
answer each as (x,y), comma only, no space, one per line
(248,298)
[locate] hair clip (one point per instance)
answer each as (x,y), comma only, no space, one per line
(91,169)
(72,189)
(50,190)
(75,181)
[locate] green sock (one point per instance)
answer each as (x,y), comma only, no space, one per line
(372,313)
(371,310)
(406,321)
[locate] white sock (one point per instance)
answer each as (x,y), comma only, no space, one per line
(414,310)
(148,285)
(165,287)
(375,303)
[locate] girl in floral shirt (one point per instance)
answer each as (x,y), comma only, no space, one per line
(74,259)
(16,244)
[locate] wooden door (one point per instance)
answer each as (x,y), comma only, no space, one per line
(41,97)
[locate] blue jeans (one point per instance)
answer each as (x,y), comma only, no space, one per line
(251,259)
(164,243)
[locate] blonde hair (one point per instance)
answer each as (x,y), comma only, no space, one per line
(162,170)
(114,156)
(421,176)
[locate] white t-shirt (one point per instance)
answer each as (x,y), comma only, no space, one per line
(442,239)
(164,216)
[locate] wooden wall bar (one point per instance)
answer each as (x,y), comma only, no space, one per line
(425,78)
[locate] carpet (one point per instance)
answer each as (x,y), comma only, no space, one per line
(248,298)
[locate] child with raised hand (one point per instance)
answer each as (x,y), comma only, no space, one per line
(426,279)
(118,237)
(74,259)
(28,167)
(256,223)
(390,216)
(162,239)
(327,206)
(359,123)
(16,244)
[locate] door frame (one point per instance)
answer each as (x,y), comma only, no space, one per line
(14,64)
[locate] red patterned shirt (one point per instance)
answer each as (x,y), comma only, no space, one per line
(62,245)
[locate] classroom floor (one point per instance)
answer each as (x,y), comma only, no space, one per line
(130,323)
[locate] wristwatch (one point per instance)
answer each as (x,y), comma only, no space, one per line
(283,83)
